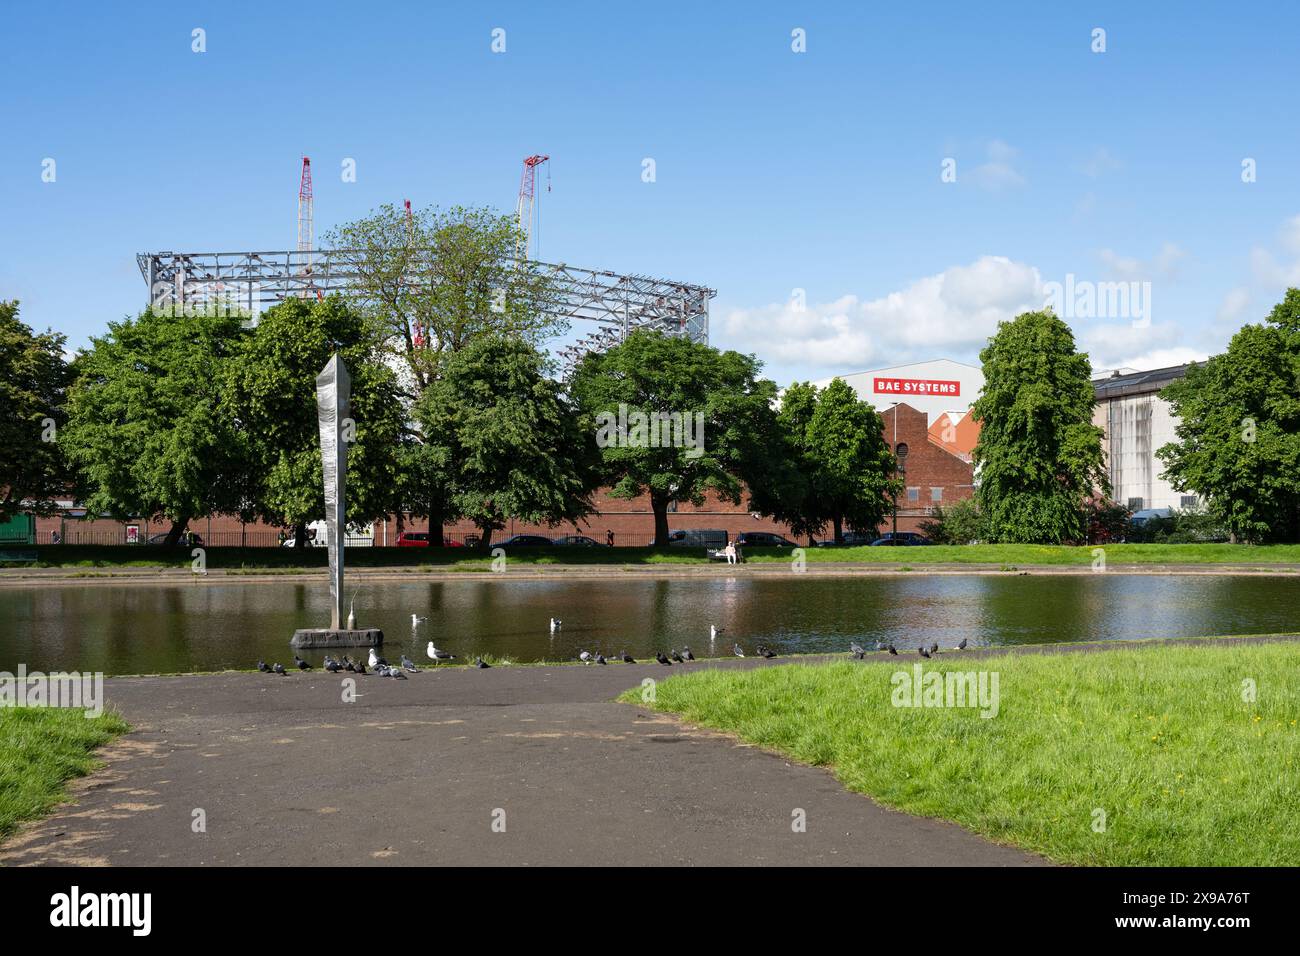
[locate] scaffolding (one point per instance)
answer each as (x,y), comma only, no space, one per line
(615,302)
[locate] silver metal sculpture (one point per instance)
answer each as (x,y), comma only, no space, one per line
(333,413)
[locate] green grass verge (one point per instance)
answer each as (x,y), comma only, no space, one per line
(1005,556)
(40,749)
(1159,738)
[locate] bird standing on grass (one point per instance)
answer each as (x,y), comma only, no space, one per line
(736,649)
(662,658)
(893,650)
(278,668)
(436,655)
(677,657)
(765,651)
(857,650)
(263,667)
(628,658)
(600,658)
(302,664)
(961,646)
(923,652)
(686,653)
(934,648)
(481,664)
(585,657)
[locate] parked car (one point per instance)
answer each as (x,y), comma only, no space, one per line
(763,539)
(697,538)
(852,539)
(901,538)
(420,539)
(525,541)
(578,541)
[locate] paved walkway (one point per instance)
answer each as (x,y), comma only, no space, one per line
(413,772)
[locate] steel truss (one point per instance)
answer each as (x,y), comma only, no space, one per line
(258,280)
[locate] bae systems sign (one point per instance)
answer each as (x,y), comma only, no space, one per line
(915,386)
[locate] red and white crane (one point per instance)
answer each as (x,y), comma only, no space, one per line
(527,208)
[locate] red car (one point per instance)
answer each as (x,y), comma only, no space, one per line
(420,539)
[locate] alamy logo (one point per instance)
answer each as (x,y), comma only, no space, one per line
(70,689)
(972,689)
(651,430)
(73,909)
(1082,299)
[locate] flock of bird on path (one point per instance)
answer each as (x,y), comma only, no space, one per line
(374,664)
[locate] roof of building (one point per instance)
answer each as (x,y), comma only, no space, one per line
(1137,383)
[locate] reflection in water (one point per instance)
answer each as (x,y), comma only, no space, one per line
(209,626)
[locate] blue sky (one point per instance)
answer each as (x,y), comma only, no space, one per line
(776,171)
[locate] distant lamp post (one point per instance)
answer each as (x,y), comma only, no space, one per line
(900,453)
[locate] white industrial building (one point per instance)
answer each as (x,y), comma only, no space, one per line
(1137,422)
(932,387)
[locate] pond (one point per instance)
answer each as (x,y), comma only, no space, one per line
(216,625)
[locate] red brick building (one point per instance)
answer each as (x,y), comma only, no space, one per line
(935,474)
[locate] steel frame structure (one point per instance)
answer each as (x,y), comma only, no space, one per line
(617,303)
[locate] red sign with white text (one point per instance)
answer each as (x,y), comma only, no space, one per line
(916,386)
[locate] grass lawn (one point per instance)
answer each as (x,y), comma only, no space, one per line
(1008,556)
(1159,738)
(40,748)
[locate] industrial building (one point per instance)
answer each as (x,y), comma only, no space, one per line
(1136,422)
(933,387)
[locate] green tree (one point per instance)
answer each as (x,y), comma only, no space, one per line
(845,471)
(1239,429)
(147,430)
(270,389)
(516,446)
(1039,456)
(959,523)
(33,384)
(432,283)
(676,419)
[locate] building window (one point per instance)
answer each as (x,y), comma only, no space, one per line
(936,495)
(1187,502)
(1135,504)
(913,495)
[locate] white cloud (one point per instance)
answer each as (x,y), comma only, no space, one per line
(1099,161)
(1125,345)
(953,312)
(999,172)
(1266,267)
(1234,305)
(1163,265)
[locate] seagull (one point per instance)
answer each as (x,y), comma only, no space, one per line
(278,668)
(923,652)
(686,653)
(659,656)
(416,620)
(556,624)
(735,649)
(628,658)
(263,667)
(857,650)
(409,665)
(437,655)
(961,646)
(585,657)
(482,664)
(376,660)
(893,650)
(302,664)
(677,658)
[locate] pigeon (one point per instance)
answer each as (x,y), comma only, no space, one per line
(302,664)
(437,655)
(923,652)
(416,620)
(278,668)
(556,624)
(766,652)
(677,658)
(961,645)
(893,650)
(662,658)
(396,672)
(585,657)
(934,648)
(628,658)
(409,665)
(857,650)
(482,664)
(332,665)
(360,667)
(735,649)
(686,653)
(376,660)
(349,665)
(600,658)
(263,667)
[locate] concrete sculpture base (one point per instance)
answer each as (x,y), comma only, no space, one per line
(327,637)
